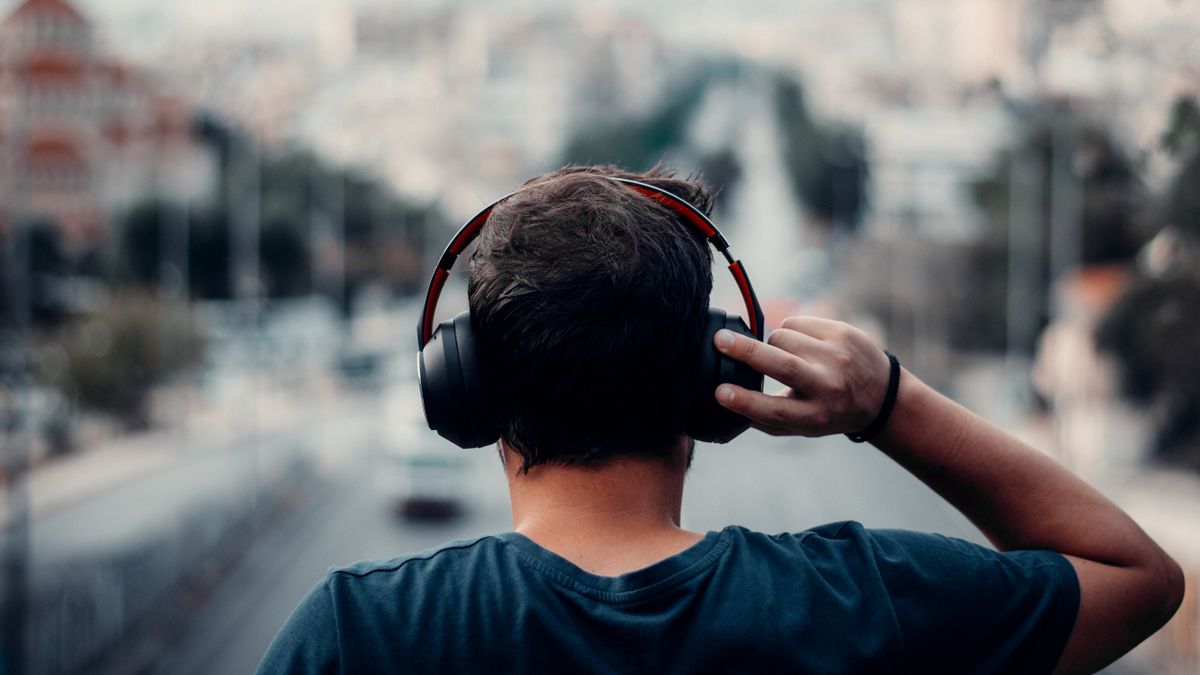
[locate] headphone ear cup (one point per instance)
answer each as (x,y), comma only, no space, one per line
(708,421)
(451,386)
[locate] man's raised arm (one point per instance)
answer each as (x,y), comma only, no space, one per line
(1018,497)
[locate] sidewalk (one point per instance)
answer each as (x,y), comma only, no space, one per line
(118,461)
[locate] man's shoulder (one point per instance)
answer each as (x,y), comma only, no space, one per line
(849,550)
(443,557)
(851,535)
(838,553)
(836,537)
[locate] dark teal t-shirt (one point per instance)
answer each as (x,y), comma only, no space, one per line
(834,599)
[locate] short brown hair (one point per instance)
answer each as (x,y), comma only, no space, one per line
(587,301)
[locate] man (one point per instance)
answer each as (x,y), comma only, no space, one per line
(584,298)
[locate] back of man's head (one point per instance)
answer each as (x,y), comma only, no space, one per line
(588,300)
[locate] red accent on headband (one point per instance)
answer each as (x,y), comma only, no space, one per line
(469,231)
(678,206)
(755,318)
(431,297)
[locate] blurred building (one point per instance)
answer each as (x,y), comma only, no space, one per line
(452,104)
(444,101)
(935,84)
(83,135)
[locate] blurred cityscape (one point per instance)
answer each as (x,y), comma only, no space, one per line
(215,217)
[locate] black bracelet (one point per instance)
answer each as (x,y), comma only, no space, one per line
(888,402)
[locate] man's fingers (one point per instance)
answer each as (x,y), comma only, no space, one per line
(772,431)
(769,360)
(786,414)
(822,329)
(805,346)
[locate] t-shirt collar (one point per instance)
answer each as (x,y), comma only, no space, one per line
(638,584)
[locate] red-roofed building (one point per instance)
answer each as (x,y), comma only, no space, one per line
(82,135)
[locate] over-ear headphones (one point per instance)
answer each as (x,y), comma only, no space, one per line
(447,359)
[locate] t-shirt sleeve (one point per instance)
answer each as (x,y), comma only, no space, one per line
(308,642)
(964,608)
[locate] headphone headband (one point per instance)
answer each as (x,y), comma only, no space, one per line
(689,213)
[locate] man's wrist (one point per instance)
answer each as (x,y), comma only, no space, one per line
(891,389)
(908,413)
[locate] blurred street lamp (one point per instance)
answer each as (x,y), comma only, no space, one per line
(15,377)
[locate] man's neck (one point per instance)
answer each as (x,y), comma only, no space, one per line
(607,520)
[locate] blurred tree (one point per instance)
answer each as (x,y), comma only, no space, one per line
(976,297)
(114,358)
(208,254)
(640,143)
(1110,220)
(46,268)
(382,235)
(286,264)
(722,170)
(209,274)
(286,204)
(1153,331)
(225,141)
(1182,140)
(827,164)
(143,230)
(41,272)
(1182,137)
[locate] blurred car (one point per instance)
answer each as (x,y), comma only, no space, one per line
(429,485)
(422,475)
(360,367)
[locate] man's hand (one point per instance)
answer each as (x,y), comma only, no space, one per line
(836,377)
(1017,496)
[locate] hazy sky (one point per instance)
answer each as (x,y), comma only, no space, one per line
(128,19)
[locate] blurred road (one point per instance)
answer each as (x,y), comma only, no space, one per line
(758,481)
(104,557)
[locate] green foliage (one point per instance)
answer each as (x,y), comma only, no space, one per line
(977,298)
(1112,217)
(1153,332)
(1182,139)
(143,234)
(286,265)
(639,144)
(110,361)
(722,170)
(145,240)
(32,258)
(827,164)
(295,194)
(1183,199)
(1113,200)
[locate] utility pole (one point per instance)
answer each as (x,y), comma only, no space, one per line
(1066,226)
(14,377)
(1024,262)
(244,214)
(338,199)
(174,237)
(1065,255)
(14,595)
